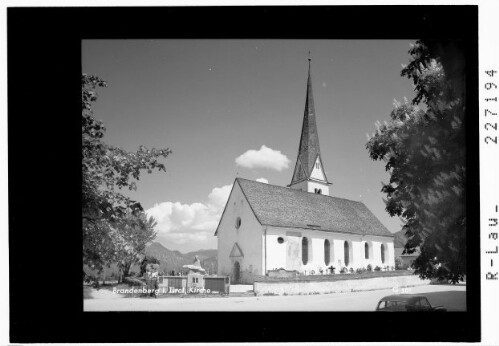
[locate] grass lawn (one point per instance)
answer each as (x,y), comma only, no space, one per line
(336,277)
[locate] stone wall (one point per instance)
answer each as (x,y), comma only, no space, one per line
(316,287)
(282,273)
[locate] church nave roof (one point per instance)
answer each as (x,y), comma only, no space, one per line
(285,207)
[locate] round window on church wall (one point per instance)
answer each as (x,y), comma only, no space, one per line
(280,240)
(238,222)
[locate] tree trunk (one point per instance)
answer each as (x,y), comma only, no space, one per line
(126,269)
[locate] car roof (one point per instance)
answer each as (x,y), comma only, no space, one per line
(402,297)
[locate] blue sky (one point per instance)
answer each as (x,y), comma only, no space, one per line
(211,101)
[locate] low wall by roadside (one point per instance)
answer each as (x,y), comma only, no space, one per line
(318,287)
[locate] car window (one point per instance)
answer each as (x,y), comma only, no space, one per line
(392,305)
(425,303)
(381,305)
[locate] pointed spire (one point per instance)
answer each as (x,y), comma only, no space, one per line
(308,150)
(309,103)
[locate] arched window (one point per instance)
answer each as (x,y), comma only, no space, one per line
(238,222)
(366,251)
(382,253)
(304,250)
(327,252)
(346,251)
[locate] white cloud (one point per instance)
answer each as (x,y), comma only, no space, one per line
(262,180)
(194,223)
(263,158)
(219,195)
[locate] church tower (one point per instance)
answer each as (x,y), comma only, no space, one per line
(309,174)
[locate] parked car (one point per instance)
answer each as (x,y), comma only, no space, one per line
(407,302)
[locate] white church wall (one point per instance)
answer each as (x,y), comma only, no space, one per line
(389,252)
(276,252)
(318,253)
(310,186)
(278,255)
(358,254)
(376,253)
(337,241)
(287,255)
(370,255)
(293,250)
(338,254)
(317,172)
(248,237)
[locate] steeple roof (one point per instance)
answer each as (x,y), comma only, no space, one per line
(309,150)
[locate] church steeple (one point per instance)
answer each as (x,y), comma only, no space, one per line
(309,174)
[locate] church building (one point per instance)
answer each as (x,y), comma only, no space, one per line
(299,227)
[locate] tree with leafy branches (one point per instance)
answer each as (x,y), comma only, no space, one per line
(145,261)
(423,146)
(131,235)
(107,213)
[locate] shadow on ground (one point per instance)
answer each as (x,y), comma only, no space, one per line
(451,300)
